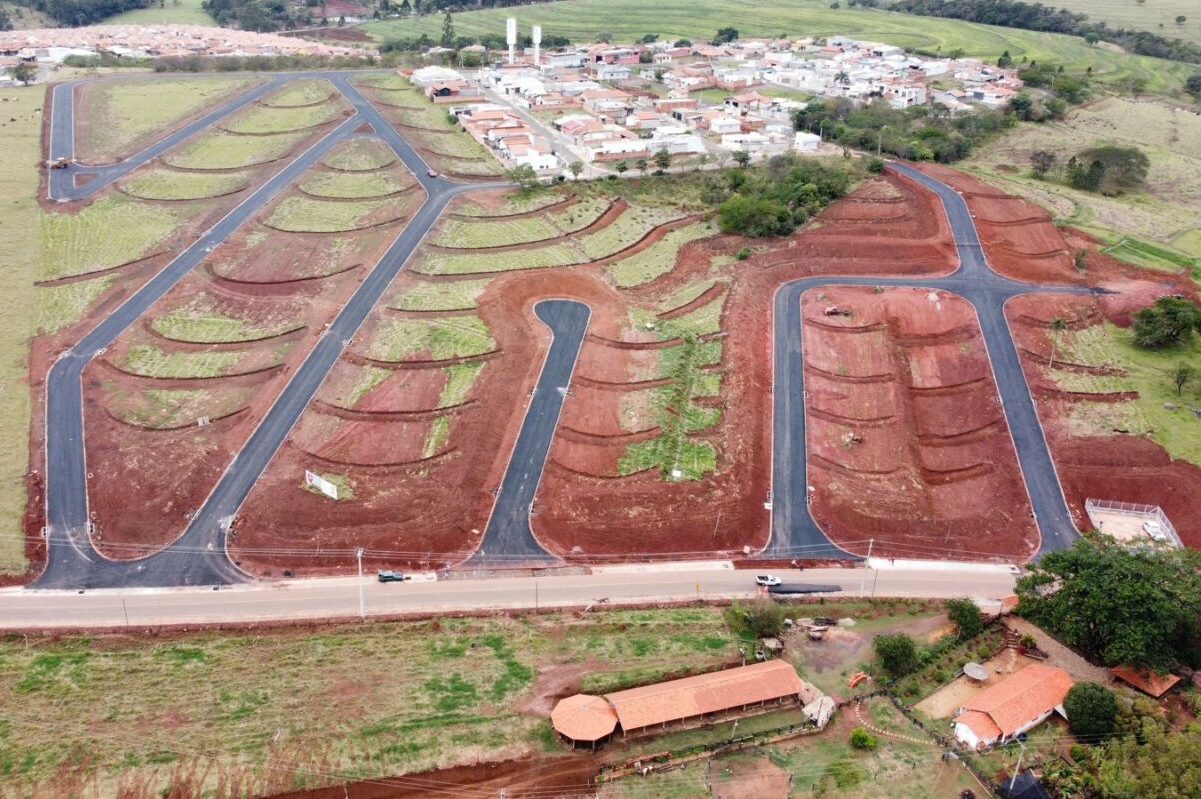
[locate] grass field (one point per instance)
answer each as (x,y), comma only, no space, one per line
(432,339)
(1157,16)
(1166,213)
(227,151)
(299,214)
(126,111)
(360,155)
(286,119)
(354,701)
(170,408)
(150,361)
(201,325)
(658,259)
(450,296)
(583,20)
(21,131)
(1148,372)
(301,92)
(350,185)
(172,12)
(107,233)
(501,232)
(164,184)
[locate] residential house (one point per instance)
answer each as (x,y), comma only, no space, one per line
(1017,703)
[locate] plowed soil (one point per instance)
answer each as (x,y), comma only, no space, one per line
(907,438)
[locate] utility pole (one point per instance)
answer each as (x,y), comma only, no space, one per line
(358,554)
(535,595)
(863,581)
(1018,768)
(125,610)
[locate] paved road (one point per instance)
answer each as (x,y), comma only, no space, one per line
(794,532)
(339,597)
(198,556)
(508,538)
(62,141)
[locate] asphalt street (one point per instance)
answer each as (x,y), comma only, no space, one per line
(508,538)
(338,598)
(794,532)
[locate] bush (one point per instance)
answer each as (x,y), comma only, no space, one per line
(1167,323)
(966,616)
(897,654)
(760,619)
(1092,711)
(862,739)
(876,166)
(754,217)
(743,254)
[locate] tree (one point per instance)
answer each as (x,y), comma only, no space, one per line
(1182,375)
(1193,85)
(650,37)
(742,158)
(1167,323)
(24,72)
(754,217)
(1005,61)
(1042,162)
(576,167)
(662,158)
(646,57)
(621,167)
(1180,20)
(897,654)
(1057,326)
(966,616)
(642,165)
(1092,37)
(6,20)
(725,35)
(1139,608)
(762,618)
(525,177)
(862,739)
(406,8)
(1092,711)
(448,31)
(1109,170)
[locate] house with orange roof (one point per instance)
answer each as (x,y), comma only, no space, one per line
(1018,703)
(1145,680)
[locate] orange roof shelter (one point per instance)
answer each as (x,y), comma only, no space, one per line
(588,719)
(1145,680)
(1014,705)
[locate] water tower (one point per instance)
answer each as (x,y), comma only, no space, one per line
(511,35)
(536,34)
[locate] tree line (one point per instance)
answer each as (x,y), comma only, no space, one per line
(1037,17)
(74,13)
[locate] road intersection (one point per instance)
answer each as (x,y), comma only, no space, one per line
(198,556)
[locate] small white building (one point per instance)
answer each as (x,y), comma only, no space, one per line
(805,142)
(428,76)
(722,126)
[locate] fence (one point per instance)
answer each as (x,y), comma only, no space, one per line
(1154,512)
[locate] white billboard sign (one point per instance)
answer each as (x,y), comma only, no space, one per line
(321,484)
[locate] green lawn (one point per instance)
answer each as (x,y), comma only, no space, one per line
(583,20)
(284,119)
(148,360)
(360,155)
(165,12)
(351,185)
(431,339)
(501,232)
(127,112)
(300,214)
(658,259)
(337,702)
(21,131)
(199,324)
(1156,16)
(301,92)
(454,295)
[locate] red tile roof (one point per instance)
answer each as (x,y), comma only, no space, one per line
(1147,681)
(1014,702)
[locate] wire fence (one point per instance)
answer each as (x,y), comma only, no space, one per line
(1152,513)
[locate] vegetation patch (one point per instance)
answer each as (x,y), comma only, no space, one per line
(109,232)
(432,339)
(163,184)
(658,259)
(298,214)
(1161,411)
(149,361)
(124,111)
(348,185)
(227,151)
(300,92)
(517,202)
(460,379)
(443,296)
(503,232)
(261,119)
(360,155)
(198,323)
(161,409)
(63,305)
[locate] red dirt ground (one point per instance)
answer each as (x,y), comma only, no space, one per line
(1119,466)
(907,439)
(289,284)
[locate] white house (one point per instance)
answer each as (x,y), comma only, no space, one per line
(721,126)
(804,142)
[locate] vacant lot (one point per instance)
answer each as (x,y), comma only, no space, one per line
(1166,213)
(340,702)
(626,20)
(175,12)
(21,133)
(1157,16)
(119,116)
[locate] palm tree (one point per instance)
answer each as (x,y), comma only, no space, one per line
(1058,325)
(843,78)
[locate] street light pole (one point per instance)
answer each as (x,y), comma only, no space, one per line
(863,580)
(358,554)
